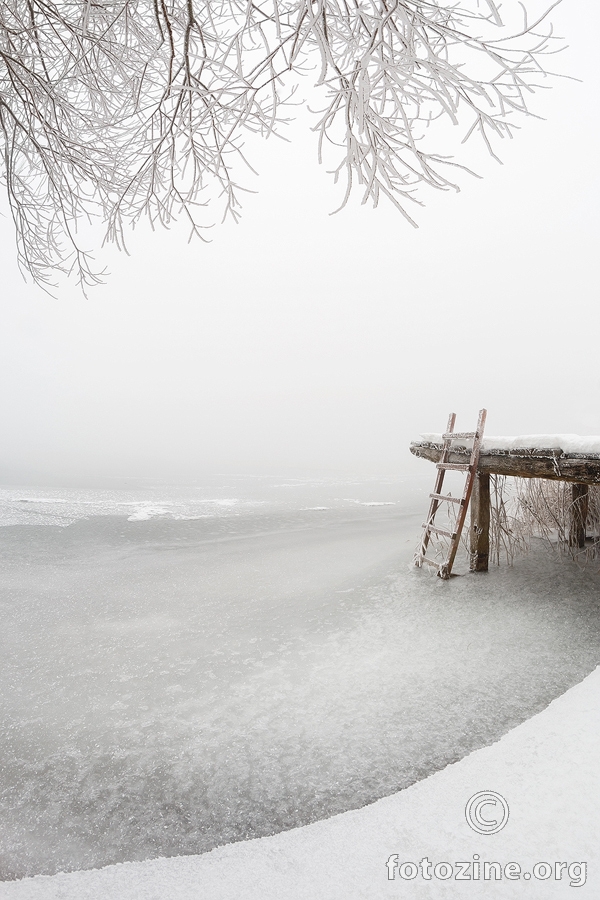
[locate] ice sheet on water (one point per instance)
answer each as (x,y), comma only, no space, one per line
(145,511)
(138,506)
(217,496)
(165,693)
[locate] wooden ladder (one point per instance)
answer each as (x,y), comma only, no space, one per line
(437,497)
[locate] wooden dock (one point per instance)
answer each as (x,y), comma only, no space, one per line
(579,469)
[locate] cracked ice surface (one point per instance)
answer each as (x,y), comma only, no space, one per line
(175,685)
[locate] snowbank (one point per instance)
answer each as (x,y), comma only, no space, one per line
(546,769)
(568,443)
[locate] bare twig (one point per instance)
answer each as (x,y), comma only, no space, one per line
(137,108)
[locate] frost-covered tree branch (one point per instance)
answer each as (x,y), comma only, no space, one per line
(126,109)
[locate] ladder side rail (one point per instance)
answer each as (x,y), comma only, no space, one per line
(474,464)
(439,482)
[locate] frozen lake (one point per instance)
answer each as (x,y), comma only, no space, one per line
(187,667)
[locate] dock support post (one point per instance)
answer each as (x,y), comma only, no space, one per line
(480,523)
(579,512)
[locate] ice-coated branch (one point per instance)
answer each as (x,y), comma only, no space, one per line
(126,109)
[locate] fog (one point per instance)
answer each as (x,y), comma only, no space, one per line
(297,340)
(198,650)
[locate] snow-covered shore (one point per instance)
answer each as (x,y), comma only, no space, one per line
(546,769)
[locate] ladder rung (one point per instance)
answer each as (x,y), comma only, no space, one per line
(465,435)
(457,467)
(441,531)
(430,562)
(446,497)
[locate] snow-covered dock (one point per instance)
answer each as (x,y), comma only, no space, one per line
(558,457)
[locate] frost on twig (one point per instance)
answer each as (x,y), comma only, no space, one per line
(524,509)
(528,510)
(138,108)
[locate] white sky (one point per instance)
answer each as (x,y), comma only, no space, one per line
(297,340)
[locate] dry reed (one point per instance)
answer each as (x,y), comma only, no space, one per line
(523,510)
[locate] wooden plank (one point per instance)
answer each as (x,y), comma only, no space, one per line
(521,464)
(480,523)
(463,435)
(442,531)
(447,497)
(455,467)
(579,513)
